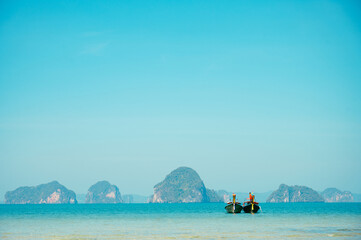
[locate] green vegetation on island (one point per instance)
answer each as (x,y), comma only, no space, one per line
(52,192)
(336,195)
(183,185)
(103,192)
(294,194)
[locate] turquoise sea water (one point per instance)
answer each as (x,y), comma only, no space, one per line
(180,221)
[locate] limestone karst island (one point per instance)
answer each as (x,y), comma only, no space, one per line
(182,185)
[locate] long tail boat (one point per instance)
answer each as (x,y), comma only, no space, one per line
(250,207)
(233,207)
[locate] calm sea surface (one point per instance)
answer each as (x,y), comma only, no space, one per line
(180,221)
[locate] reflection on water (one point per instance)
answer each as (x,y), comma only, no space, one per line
(179,221)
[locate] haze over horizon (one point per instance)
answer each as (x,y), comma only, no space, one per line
(249,94)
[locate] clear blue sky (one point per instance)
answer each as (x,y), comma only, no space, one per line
(251,94)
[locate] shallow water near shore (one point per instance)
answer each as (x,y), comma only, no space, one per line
(180,221)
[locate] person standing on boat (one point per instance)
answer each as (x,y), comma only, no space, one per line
(251,197)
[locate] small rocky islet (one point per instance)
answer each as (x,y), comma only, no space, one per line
(103,192)
(296,193)
(50,193)
(335,195)
(182,185)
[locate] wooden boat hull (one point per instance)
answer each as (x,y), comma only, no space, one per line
(248,208)
(237,208)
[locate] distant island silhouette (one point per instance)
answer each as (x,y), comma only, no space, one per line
(182,185)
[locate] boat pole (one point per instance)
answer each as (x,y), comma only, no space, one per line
(252,200)
(234,202)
